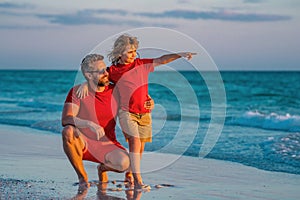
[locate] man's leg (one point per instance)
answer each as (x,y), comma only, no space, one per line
(117,161)
(102,175)
(73,145)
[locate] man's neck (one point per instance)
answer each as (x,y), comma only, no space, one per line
(97,88)
(100,88)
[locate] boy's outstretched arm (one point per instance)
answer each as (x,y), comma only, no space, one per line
(171,57)
(83,90)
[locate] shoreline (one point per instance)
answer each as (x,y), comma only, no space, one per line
(33,164)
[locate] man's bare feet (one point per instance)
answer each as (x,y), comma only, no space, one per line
(102,190)
(103,178)
(129,178)
(81,195)
(83,186)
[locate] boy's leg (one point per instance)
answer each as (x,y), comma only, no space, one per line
(135,159)
(128,174)
(145,130)
(142,148)
(129,125)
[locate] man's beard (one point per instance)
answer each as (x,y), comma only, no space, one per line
(102,83)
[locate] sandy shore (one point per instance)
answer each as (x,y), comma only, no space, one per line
(33,166)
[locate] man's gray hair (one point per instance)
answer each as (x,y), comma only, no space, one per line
(88,61)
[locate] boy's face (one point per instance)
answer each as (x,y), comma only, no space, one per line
(128,55)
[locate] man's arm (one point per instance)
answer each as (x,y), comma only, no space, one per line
(69,117)
(171,57)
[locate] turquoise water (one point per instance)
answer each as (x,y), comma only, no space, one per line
(262,121)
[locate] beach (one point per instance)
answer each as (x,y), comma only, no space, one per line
(34,166)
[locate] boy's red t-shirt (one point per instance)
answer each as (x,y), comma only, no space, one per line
(131,80)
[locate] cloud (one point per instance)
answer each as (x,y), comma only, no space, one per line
(98,17)
(117,17)
(253,1)
(223,15)
(17,16)
(122,17)
(183,1)
(78,18)
(7,5)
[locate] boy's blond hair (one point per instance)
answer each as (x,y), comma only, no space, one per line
(120,46)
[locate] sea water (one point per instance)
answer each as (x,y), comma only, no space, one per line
(261,126)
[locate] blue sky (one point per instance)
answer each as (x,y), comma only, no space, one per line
(238,34)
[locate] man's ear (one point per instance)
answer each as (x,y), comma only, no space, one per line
(88,75)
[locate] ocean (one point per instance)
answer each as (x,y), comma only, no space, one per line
(252,118)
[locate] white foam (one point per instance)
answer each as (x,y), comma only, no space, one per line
(272,121)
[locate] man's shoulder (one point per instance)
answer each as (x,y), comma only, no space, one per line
(74,88)
(71,97)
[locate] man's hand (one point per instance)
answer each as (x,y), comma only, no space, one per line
(96,129)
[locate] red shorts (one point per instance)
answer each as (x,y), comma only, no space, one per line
(95,150)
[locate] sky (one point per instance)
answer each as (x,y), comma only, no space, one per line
(237,34)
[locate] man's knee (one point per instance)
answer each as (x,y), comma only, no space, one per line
(124,162)
(119,160)
(68,134)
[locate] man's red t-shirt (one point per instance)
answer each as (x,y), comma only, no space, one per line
(98,107)
(132,83)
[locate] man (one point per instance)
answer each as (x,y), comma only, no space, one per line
(89,125)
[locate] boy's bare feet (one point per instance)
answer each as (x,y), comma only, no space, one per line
(103,178)
(138,183)
(142,187)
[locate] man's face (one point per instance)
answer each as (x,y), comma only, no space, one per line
(99,75)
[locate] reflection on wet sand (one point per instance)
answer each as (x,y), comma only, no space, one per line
(130,194)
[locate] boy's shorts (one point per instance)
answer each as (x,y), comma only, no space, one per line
(136,125)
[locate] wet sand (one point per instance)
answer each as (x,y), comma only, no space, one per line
(33,166)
